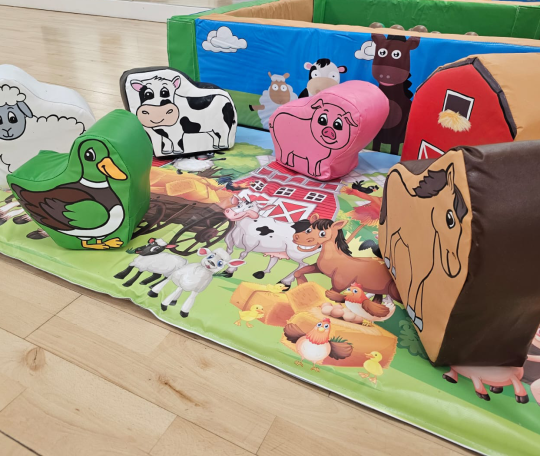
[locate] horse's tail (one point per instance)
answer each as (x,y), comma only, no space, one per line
(383,214)
(394,292)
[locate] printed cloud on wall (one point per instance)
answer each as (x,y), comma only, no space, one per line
(366,52)
(223,40)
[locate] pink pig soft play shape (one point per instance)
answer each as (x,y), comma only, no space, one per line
(320,136)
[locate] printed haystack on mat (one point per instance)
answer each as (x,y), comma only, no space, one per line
(245,304)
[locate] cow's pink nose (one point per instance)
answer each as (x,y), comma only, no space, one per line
(329,132)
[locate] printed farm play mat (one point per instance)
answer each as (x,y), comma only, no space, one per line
(237,249)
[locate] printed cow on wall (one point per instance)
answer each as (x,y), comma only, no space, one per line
(180,115)
(322,75)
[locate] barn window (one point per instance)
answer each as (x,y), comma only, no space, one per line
(458,102)
(257,185)
(313,196)
(284,191)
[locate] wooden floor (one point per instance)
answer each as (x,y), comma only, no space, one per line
(85,374)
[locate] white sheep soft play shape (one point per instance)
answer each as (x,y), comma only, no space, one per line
(195,277)
(152,258)
(35,116)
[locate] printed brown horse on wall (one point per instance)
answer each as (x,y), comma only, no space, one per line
(335,260)
(391,68)
(438,215)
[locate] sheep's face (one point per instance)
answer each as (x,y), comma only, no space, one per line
(13,120)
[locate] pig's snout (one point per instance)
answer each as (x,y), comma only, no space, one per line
(329,133)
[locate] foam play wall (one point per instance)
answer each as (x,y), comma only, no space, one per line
(250,56)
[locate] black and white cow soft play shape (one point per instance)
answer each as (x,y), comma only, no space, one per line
(322,75)
(180,115)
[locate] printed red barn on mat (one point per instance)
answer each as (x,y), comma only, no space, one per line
(295,196)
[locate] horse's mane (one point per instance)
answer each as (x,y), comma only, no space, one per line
(460,208)
(341,242)
(433,183)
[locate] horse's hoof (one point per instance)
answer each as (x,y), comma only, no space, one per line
(258,274)
(412,314)
(448,378)
(184,314)
(152,294)
(387,262)
(173,303)
(522,399)
(394,271)
(419,323)
(483,396)
(496,389)
(163,307)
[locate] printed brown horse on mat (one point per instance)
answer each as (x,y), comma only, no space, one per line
(335,260)
(435,224)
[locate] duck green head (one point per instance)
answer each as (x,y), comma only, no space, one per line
(97,165)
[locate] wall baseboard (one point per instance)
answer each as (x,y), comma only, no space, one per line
(144,11)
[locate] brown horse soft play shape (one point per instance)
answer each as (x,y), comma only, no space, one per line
(336,262)
(460,237)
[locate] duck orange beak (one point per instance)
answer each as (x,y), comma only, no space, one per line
(107,167)
(369,355)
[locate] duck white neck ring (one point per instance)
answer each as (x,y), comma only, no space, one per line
(91,184)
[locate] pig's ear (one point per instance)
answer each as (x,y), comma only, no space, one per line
(348,117)
(318,104)
(313,218)
(203,251)
(171,246)
(237,263)
(234,200)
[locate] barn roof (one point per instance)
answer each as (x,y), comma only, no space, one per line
(515,80)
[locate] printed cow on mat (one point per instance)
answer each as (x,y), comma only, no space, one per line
(180,115)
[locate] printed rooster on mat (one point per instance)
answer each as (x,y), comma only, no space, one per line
(367,214)
(316,345)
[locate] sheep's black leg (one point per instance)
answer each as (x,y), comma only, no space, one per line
(153,277)
(157,283)
(124,273)
(133,279)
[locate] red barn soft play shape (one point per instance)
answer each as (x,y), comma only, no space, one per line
(320,136)
(483,99)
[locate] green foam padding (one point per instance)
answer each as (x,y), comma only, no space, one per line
(486,19)
(96,194)
(181,42)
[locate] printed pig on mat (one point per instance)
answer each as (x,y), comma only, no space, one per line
(320,136)
(460,237)
(95,196)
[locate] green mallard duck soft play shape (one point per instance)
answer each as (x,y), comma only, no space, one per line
(95,196)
